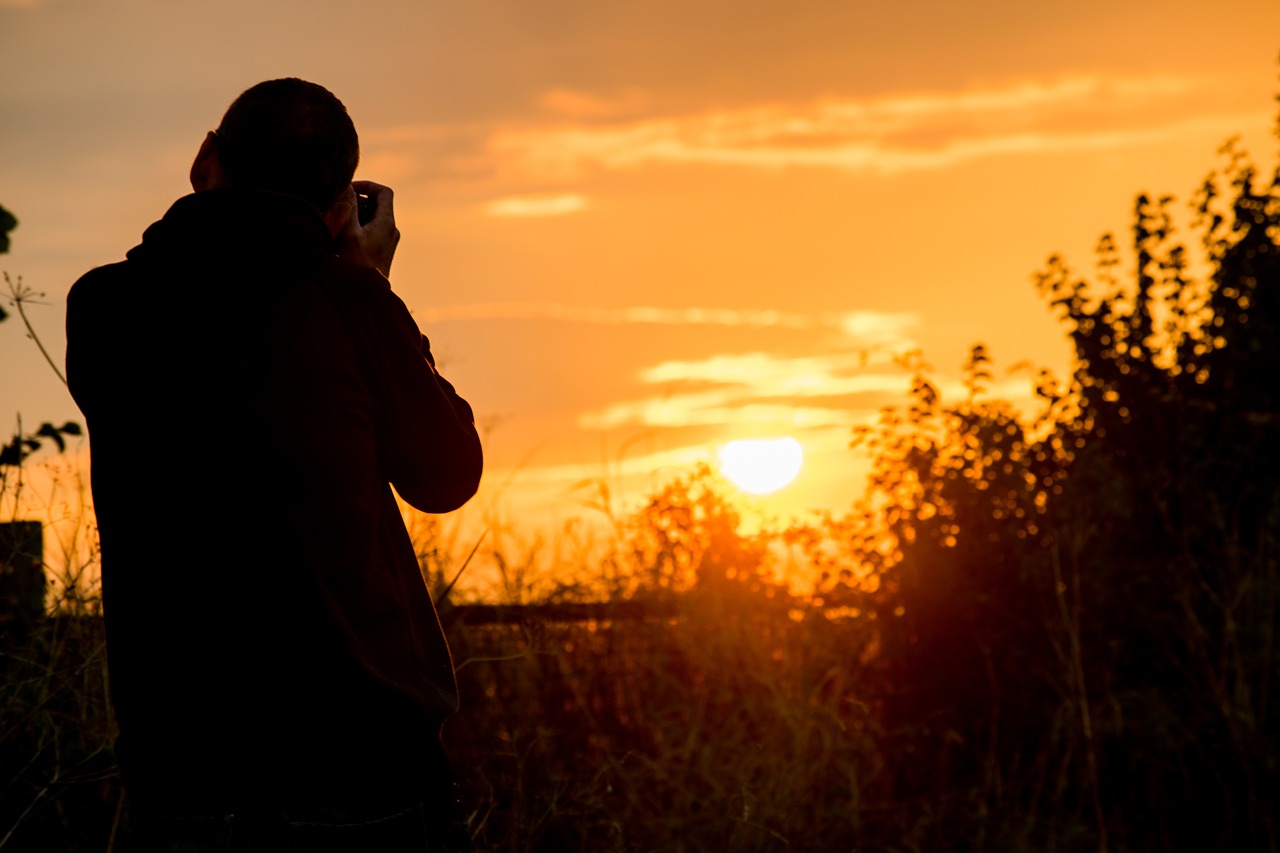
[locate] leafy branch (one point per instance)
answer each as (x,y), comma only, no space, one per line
(23,446)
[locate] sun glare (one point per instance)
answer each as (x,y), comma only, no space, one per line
(761,466)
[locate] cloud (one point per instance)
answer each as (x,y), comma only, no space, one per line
(868,328)
(885,135)
(536,206)
(755,388)
(879,328)
(677,459)
(585,105)
(882,135)
(839,389)
(772,375)
(618,316)
(718,409)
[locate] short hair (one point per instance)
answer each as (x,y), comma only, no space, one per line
(289,136)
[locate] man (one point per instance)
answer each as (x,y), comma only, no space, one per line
(251,386)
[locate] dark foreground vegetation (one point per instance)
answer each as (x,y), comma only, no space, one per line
(1045,632)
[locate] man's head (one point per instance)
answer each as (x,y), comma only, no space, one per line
(288,136)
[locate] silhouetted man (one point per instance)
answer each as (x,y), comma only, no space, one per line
(252,386)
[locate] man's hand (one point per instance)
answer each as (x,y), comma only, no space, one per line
(372,244)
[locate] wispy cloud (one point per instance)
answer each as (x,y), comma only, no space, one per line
(883,135)
(755,388)
(878,329)
(536,205)
(882,329)
(579,131)
(840,389)
(588,105)
(616,316)
(644,465)
(769,374)
(685,411)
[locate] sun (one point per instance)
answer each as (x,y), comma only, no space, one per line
(761,465)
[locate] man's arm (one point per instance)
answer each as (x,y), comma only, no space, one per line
(427,440)
(428,444)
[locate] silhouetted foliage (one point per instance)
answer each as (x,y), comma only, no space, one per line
(1076,614)
(687,538)
(23,446)
(7,223)
(1173,509)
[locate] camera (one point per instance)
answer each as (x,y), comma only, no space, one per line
(366,206)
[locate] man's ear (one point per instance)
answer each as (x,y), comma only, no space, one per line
(206,171)
(340,212)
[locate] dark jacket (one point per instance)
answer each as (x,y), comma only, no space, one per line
(249,397)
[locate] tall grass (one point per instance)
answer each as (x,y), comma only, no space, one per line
(728,726)
(59,788)
(704,705)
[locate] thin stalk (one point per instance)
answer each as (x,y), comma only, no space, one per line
(19,297)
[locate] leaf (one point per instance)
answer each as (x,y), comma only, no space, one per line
(8,222)
(11,454)
(51,432)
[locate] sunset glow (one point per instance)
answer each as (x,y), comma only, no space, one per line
(820,425)
(761,466)
(633,231)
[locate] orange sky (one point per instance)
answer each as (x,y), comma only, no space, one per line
(634,231)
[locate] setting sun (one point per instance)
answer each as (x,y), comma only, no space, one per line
(761,466)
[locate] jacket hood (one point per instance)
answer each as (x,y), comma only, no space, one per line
(234,225)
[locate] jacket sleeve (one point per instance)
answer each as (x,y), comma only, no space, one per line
(427,441)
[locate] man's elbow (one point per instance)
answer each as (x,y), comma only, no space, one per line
(460,489)
(448,484)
